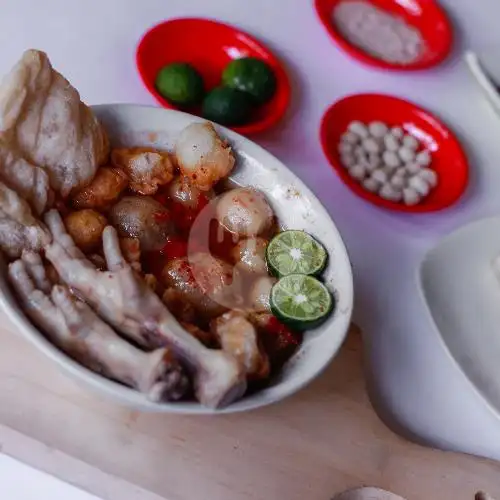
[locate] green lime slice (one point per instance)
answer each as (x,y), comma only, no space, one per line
(301,301)
(295,252)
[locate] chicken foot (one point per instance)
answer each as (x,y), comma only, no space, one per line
(78,331)
(121,297)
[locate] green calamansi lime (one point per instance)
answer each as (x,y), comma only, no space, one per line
(251,75)
(180,84)
(301,301)
(291,252)
(227,106)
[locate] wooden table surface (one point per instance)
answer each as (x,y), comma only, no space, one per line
(323,440)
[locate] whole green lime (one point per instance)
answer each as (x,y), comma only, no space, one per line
(227,106)
(180,84)
(251,75)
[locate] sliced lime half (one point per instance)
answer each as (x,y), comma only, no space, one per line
(300,300)
(295,252)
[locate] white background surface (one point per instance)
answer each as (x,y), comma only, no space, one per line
(417,385)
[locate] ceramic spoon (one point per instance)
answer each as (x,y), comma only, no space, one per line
(368,494)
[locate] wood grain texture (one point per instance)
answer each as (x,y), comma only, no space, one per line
(321,441)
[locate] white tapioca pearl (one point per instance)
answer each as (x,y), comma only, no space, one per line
(371,185)
(380,176)
(411,196)
(412,168)
(423,158)
(429,176)
(345,147)
(378,129)
(391,159)
(358,128)
(391,142)
(406,154)
(410,142)
(419,185)
(357,172)
(388,192)
(397,132)
(371,145)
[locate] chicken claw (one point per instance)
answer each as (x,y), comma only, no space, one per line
(125,301)
(78,331)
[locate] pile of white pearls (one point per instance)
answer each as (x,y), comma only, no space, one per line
(387,161)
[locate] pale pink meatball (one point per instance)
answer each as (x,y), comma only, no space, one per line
(203,157)
(245,212)
(202,280)
(250,255)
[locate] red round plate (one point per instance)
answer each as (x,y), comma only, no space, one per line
(209,46)
(448,158)
(425,15)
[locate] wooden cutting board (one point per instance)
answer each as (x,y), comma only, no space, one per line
(321,441)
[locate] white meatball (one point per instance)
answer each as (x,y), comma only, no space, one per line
(259,294)
(391,142)
(388,192)
(373,162)
(378,129)
(250,255)
(183,192)
(379,176)
(357,172)
(397,132)
(359,152)
(410,196)
(429,176)
(419,185)
(391,159)
(412,168)
(398,181)
(370,145)
(358,128)
(350,138)
(423,158)
(202,156)
(348,160)
(245,212)
(345,148)
(410,142)
(371,185)
(406,154)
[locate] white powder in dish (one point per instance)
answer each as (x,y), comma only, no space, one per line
(378,33)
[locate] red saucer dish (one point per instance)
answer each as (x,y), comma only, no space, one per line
(209,46)
(425,15)
(448,158)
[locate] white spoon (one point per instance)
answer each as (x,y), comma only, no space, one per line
(483,79)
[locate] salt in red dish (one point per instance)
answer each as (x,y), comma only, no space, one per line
(209,46)
(424,15)
(448,158)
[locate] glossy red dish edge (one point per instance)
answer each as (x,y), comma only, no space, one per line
(209,45)
(448,158)
(425,15)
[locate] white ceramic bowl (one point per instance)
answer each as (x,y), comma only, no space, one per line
(295,206)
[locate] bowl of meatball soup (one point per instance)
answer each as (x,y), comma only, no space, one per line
(169,248)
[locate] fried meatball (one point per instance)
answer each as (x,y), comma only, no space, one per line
(250,255)
(86,227)
(202,156)
(103,191)
(147,169)
(245,212)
